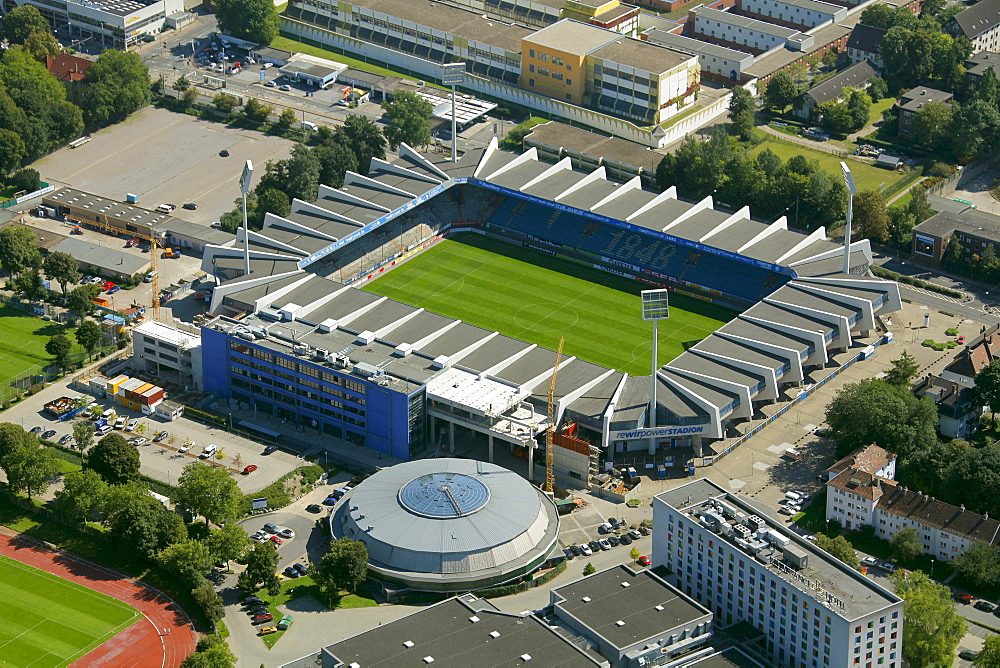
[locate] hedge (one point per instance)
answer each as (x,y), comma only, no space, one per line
(882,272)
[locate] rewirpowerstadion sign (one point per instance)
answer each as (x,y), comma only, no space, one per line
(656,432)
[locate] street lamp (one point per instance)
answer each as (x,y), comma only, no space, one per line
(852,190)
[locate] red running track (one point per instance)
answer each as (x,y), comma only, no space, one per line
(144,644)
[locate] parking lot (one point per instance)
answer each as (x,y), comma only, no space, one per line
(165,157)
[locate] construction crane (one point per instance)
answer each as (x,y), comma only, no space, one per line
(154,244)
(550,476)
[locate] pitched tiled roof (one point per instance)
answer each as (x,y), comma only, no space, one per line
(855,75)
(978,355)
(866,38)
(67,67)
(870,459)
(862,484)
(940,515)
(979,18)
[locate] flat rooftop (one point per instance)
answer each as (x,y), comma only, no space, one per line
(744,22)
(857,595)
(641,55)
(570,36)
(696,46)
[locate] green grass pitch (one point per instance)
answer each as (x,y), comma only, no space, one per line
(47,621)
(536,297)
(24,338)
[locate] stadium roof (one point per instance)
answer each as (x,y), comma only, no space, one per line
(814,308)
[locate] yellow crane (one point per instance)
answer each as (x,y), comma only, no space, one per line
(154,244)
(550,476)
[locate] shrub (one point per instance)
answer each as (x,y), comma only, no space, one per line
(35,388)
(940,170)
(951,331)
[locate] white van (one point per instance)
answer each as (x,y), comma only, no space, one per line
(266,66)
(793,497)
(149,277)
(163,208)
(208,451)
(310,126)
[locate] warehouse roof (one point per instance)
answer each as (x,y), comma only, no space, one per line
(103,257)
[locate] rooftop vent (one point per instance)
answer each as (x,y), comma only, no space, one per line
(440,362)
(365,337)
(525,657)
(428,659)
(626,584)
(659,607)
(404,349)
(408,644)
(619,623)
(494,634)
(328,325)
(473,619)
(586,599)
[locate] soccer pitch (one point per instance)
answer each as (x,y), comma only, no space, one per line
(25,337)
(535,297)
(47,621)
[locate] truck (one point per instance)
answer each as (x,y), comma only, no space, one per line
(170,253)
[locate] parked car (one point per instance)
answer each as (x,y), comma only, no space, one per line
(259,536)
(968,655)
(267,630)
(187,446)
(585,550)
(960,340)
(65,439)
(645,530)
(887,567)
(108,285)
(285,87)
(49,434)
(823,433)
(277,541)
(869,561)
(635,534)
(643,561)
(614,541)
(575,549)
(625,539)
(613,521)
(266,617)
(985,606)
(269,449)
(36,430)
(139,440)
(121,422)
(301,568)
(270,528)
(605,545)
(224,153)
(594,546)
(132,424)
(270,83)
(286,533)
(291,572)
(251,599)
(604,528)
(314,508)
(330,501)
(159,437)
(115,289)
(249,469)
(964,598)
(191,206)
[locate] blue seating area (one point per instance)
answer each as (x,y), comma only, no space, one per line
(708,270)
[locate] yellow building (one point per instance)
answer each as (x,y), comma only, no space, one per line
(603,70)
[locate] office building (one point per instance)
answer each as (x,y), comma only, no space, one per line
(113,24)
(744,34)
(808,608)
(718,63)
(167,352)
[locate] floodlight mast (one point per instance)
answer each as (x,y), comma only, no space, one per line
(244,189)
(852,190)
(655,307)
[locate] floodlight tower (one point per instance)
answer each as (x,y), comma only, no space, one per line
(852,190)
(453,74)
(655,307)
(245,188)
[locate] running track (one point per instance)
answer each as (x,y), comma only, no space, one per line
(141,645)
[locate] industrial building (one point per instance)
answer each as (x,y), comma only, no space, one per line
(448,525)
(122,217)
(806,607)
(102,260)
(114,24)
(296,341)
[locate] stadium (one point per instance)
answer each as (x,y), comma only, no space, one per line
(448,524)
(422,302)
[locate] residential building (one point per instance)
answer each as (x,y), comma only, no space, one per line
(858,495)
(167,352)
(958,414)
(800,14)
(913,101)
(973,358)
(974,230)
(872,459)
(809,608)
(980,24)
(743,33)
(717,62)
(593,67)
(610,14)
(865,44)
(832,90)
(976,66)
(70,70)
(114,24)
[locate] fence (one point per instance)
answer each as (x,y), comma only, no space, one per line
(44,189)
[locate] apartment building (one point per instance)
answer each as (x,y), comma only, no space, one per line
(980,24)
(957,410)
(167,352)
(974,230)
(864,44)
(915,100)
(597,68)
(743,33)
(809,608)
(610,14)
(717,62)
(972,359)
(799,14)
(861,492)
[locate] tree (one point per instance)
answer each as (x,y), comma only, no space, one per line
(931,7)
(780,91)
(82,495)
(83,435)
(342,568)
(182,84)
(225,102)
(62,268)
(147,527)
(43,117)
(887,16)
(954,254)
(25,179)
(18,248)
(904,369)
(634,554)
(362,136)
(209,491)
(253,20)
(80,299)
(873,411)
(12,150)
(740,101)
(41,45)
(335,160)
(932,628)
(210,602)
(286,118)
(980,564)
(870,216)
(117,85)
(589,569)
(89,335)
(115,460)
(257,111)
(906,544)
(989,655)
(22,22)
(59,347)
(878,89)
(408,120)
(975,128)
(262,560)
(29,282)
(931,124)
(987,384)
(30,468)
(839,547)
(189,560)
(859,104)
(228,542)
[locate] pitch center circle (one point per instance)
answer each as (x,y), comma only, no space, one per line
(547,317)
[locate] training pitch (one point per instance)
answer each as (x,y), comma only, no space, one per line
(47,621)
(535,297)
(24,338)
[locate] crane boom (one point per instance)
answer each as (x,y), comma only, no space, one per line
(550,476)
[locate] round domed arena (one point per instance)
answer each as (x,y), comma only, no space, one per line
(448,524)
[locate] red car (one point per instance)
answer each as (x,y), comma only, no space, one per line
(643,561)
(250,469)
(260,619)
(964,598)
(960,339)
(109,285)
(131,242)
(275,540)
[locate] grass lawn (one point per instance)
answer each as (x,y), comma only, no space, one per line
(867,177)
(48,621)
(289,44)
(877,108)
(470,278)
(294,588)
(26,336)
